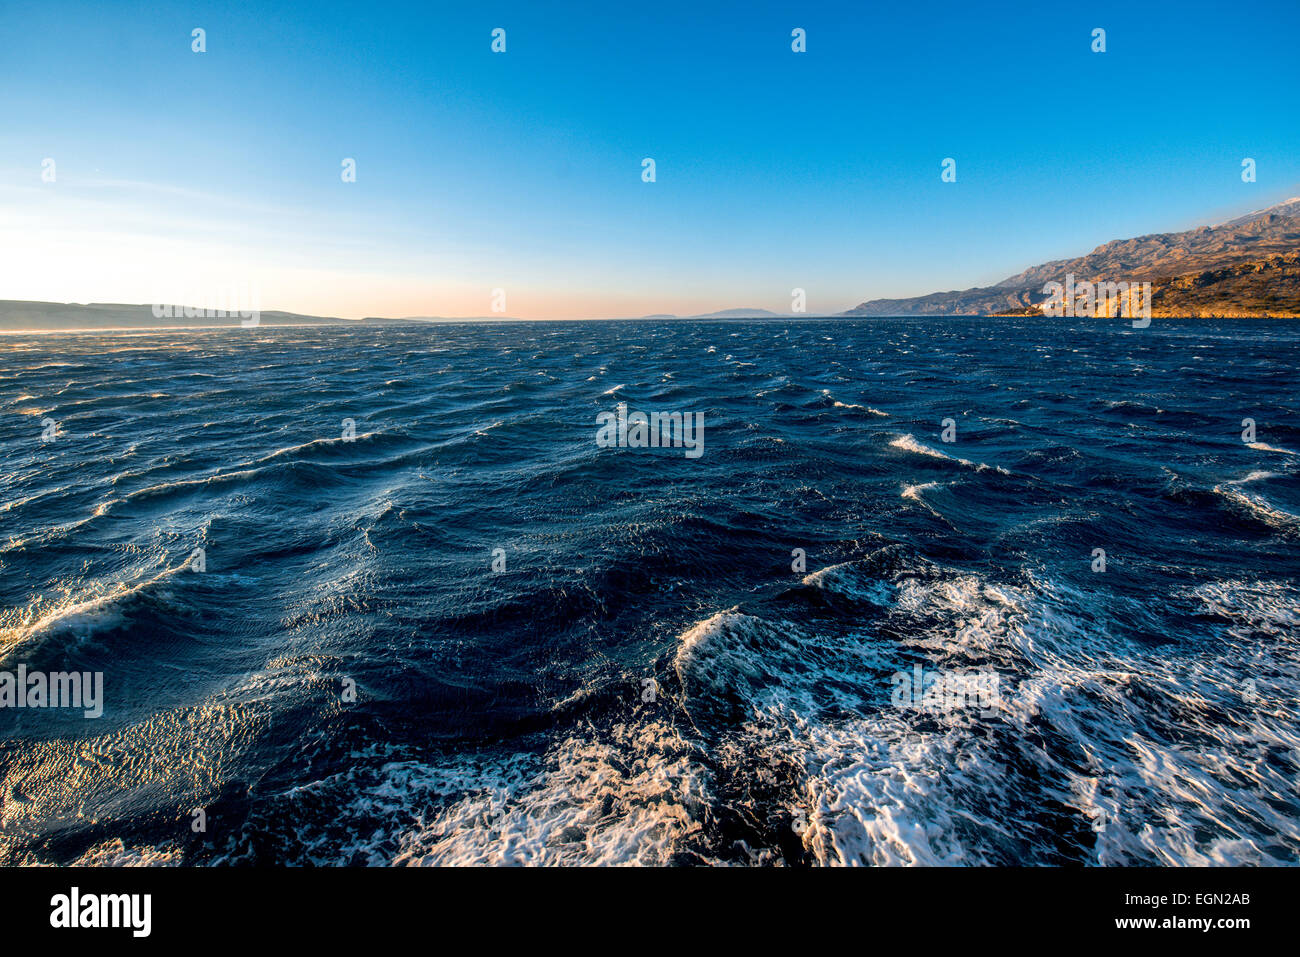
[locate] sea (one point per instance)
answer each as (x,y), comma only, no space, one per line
(924,591)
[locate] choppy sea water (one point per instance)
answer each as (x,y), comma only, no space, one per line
(655,678)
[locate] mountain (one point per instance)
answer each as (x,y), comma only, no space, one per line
(378,319)
(743,313)
(1244,267)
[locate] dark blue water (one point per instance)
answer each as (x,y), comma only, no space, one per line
(654,678)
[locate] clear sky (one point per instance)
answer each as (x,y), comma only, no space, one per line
(523,170)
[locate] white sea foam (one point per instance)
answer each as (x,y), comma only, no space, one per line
(876,789)
(115,853)
(1259,508)
(908,443)
(1255,476)
(79,614)
(632,798)
(874,784)
(845,578)
(913,492)
(1265,447)
(862,408)
(849,405)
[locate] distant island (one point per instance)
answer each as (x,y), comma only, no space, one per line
(1247,267)
(18,315)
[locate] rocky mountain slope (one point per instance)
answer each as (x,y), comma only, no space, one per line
(1244,267)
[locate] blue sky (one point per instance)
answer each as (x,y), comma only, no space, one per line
(522,171)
